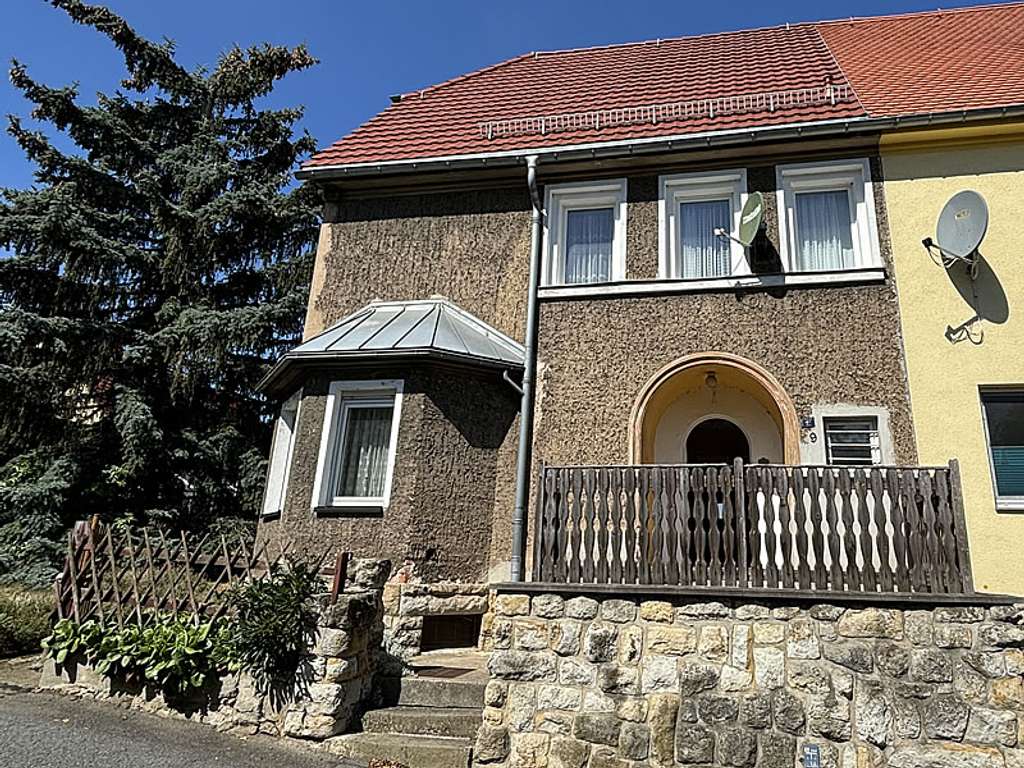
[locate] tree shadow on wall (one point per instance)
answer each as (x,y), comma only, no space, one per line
(985,296)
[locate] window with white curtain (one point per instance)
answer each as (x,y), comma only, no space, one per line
(585,233)
(691,207)
(357,451)
(281,447)
(827,216)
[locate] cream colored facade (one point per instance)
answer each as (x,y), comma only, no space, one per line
(922,170)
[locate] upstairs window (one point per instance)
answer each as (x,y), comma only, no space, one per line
(585,233)
(281,447)
(827,214)
(1004,426)
(358,446)
(692,207)
(852,441)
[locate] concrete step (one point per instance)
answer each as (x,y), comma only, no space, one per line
(411,751)
(424,721)
(431,692)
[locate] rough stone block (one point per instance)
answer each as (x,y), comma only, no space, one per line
(597,728)
(892,658)
(583,608)
(658,674)
(777,751)
(802,642)
(520,707)
(769,667)
(959,614)
(751,611)
(769,632)
(852,655)
(634,741)
(989,664)
(930,665)
(633,709)
(548,606)
(733,679)
(701,611)
(918,627)
(574,672)
(671,641)
(714,643)
(694,744)
(756,710)
(522,666)
(1008,693)
(736,747)
(567,753)
(996,636)
(871,622)
(616,680)
(661,717)
(558,697)
(529,750)
(824,612)
(906,720)
(657,611)
(874,715)
(695,677)
(945,756)
(992,726)
(333,642)
(618,611)
(789,713)
(565,637)
(714,709)
(530,634)
(492,744)
(809,678)
(945,717)
(953,636)
(511,605)
(599,644)
(631,643)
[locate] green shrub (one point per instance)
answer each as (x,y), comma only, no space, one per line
(273,623)
(24,620)
(176,653)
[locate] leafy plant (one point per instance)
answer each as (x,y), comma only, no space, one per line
(24,620)
(274,622)
(177,654)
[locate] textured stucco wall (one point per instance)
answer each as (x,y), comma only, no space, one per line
(945,377)
(825,345)
(452,427)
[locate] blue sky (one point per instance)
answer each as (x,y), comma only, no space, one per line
(367,50)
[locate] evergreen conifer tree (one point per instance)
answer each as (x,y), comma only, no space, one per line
(150,276)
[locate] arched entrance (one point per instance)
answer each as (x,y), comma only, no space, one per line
(716,441)
(704,393)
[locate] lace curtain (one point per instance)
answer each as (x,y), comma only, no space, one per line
(701,253)
(588,245)
(364,454)
(823,230)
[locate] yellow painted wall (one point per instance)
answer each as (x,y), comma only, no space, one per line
(922,172)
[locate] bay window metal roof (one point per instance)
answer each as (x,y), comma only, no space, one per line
(382,330)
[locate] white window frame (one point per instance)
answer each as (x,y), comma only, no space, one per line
(282,448)
(1003,503)
(730,185)
(851,176)
(562,198)
(342,396)
(813,449)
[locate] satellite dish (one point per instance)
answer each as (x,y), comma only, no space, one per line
(960,229)
(751,218)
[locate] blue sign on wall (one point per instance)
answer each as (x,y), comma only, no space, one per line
(812,756)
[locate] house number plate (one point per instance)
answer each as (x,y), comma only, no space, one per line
(812,756)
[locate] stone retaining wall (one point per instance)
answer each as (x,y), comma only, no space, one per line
(325,700)
(581,683)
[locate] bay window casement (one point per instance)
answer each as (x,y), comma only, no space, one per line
(827,216)
(585,233)
(691,207)
(358,445)
(282,445)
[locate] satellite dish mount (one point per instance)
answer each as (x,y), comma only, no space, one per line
(751,221)
(959,231)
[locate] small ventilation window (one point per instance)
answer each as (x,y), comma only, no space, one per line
(449,632)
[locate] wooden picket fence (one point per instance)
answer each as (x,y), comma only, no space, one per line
(120,576)
(809,529)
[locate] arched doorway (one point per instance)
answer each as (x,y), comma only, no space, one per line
(710,388)
(716,441)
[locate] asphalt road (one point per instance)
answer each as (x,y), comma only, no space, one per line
(51,731)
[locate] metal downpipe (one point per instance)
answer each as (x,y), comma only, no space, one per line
(524,455)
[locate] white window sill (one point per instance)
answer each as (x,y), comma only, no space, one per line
(1010,505)
(368,508)
(731,283)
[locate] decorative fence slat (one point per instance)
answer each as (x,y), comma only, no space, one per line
(800,528)
(124,577)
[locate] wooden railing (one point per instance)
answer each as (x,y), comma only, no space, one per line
(754,527)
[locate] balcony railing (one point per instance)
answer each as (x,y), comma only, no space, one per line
(816,529)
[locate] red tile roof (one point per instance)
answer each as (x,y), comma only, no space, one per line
(882,66)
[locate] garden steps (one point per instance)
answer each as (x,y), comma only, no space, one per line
(429,716)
